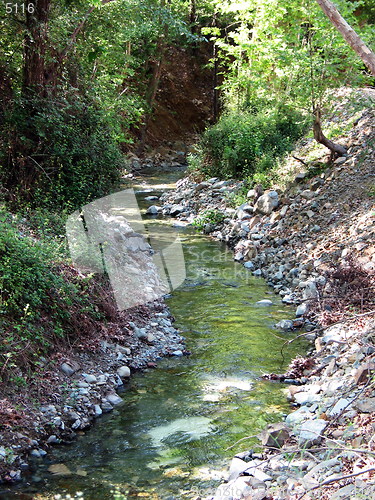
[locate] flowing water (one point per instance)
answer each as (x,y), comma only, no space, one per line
(168,440)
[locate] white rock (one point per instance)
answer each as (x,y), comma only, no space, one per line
(153,210)
(304,398)
(251,194)
(237,466)
(302,309)
(310,432)
(140,333)
(297,416)
(249,265)
(265,302)
(123,371)
(310,291)
(90,379)
(339,406)
(285,324)
(113,399)
(98,410)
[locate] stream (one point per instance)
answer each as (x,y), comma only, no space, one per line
(168,440)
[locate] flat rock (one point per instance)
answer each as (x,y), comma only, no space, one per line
(68,369)
(201,186)
(237,467)
(339,406)
(275,436)
(59,470)
(311,431)
(285,324)
(265,302)
(114,399)
(306,398)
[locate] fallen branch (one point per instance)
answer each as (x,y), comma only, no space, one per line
(299,159)
(335,480)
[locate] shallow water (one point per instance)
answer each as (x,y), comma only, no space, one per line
(168,439)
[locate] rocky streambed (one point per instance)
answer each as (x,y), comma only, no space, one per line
(173,422)
(313,242)
(82,386)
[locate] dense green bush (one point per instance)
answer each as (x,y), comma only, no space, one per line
(64,152)
(241,145)
(40,299)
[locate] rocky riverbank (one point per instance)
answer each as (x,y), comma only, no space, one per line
(312,238)
(75,386)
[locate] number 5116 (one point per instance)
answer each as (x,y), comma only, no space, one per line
(19,8)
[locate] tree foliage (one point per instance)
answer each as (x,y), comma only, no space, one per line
(276,54)
(75,79)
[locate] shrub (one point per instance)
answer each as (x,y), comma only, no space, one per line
(241,145)
(41,299)
(64,153)
(208,217)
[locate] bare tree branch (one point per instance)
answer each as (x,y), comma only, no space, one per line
(348,33)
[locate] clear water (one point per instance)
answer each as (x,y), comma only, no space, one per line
(169,439)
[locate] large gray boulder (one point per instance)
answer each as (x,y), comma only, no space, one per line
(267,203)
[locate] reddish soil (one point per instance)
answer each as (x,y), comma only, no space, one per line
(184,100)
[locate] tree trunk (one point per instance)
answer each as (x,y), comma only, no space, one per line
(35,47)
(215,90)
(151,96)
(154,82)
(350,36)
(193,17)
(336,149)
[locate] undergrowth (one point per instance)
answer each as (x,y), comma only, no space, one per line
(350,289)
(43,300)
(248,145)
(213,217)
